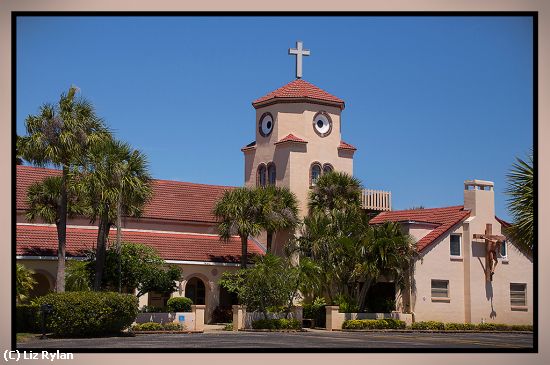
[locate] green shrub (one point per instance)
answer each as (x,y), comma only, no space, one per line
(179,304)
(521,327)
(89,313)
(493,327)
(173,326)
(428,325)
(277,324)
(460,327)
(228,327)
(316,311)
(147,326)
(27,319)
(359,324)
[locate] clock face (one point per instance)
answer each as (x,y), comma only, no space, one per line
(266,124)
(322,124)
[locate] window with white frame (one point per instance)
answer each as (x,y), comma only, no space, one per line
(518,294)
(456,245)
(440,288)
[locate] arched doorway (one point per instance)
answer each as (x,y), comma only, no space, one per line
(42,286)
(196,291)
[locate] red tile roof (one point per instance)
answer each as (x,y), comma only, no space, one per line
(172,200)
(346,146)
(291,138)
(249,146)
(298,90)
(37,240)
(443,218)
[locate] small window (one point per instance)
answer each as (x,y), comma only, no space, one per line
(327,168)
(315,173)
(271,174)
(455,245)
(503,250)
(261,179)
(518,295)
(440,288)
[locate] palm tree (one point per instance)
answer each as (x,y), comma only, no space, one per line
(60,135)
(280,211)
(24,282)
(117,182)
(387,251)
(240,212)
(335,190)
(521,201)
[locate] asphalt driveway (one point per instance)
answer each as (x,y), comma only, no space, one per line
(219,340)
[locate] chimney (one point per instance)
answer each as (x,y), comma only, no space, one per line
(479,198)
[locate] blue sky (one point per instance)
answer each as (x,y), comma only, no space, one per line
(430,101)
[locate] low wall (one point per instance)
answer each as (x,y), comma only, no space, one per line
(335,319)
(193,321)
(243,319)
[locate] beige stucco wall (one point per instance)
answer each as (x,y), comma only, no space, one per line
(472,298)
(293,160)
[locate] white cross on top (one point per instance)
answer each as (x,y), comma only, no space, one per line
(299,52)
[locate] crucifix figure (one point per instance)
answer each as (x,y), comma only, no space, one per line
(299,52)
(492,247)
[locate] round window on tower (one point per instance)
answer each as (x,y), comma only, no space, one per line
(265,124)
(322,124)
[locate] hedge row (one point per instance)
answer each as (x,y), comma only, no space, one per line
(152,326)
(440,326)
(78,314)
(27,318)
(179,304)
(360,324)
(277,324)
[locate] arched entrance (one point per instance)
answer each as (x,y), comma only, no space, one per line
(42,286)
(196,291)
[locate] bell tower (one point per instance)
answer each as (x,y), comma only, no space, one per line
(298,137)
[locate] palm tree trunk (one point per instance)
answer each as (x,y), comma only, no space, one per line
(118,238)
(102,234)
(363,295)
(269,241)
(62,234)
(244,251)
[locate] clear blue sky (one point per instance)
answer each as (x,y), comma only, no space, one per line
(430,101)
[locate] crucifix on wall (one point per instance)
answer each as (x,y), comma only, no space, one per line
(492,247)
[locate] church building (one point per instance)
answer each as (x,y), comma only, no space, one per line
(297,131)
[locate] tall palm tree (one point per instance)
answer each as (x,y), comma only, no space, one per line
(240,212)
(280,211)
(60,135)
(521,201)
(117,183)
(335,190)
(387,251)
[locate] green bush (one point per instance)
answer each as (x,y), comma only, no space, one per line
(316,311)
(277,324)
(89,313)
(179,304)
(521,327)
(147,326)
(460,327)
(153,326)
(428,325)
(493,327)
(228,327)
(388,323)
(27,319)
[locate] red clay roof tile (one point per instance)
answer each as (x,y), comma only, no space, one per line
(40,240)
(346,146)
(172,200)
(291,138)
(299,89)
(444,218)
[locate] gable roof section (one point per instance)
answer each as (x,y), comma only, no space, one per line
(41,240)
(291,138)
(172,200)
(444,218)
(296,91)
(346,146)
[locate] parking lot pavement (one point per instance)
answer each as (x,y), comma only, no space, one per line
(219,340)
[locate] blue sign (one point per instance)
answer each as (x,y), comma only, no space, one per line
(181,318)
